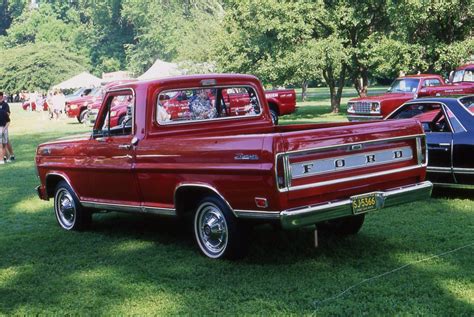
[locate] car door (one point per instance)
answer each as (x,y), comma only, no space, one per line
(439,140)
(111,155)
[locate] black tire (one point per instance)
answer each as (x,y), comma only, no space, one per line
(69,212)
(82,116)
(229,239)
(274,115)
(343,226)
(121,120)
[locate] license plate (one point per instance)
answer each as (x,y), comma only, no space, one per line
(364,203)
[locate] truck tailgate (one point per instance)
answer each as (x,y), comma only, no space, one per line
(320,165)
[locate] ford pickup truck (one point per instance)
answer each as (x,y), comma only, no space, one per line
(225,170)
(402,89)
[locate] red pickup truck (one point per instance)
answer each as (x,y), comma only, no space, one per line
(402,89)
(224,170)
(461,83)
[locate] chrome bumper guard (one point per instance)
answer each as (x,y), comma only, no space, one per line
(303,216)
(355,117)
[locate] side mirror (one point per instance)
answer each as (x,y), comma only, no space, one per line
(451,76)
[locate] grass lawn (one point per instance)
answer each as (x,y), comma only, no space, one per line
(133,264)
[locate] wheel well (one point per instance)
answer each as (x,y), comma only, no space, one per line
(51,183)
(187,198)
(273,106)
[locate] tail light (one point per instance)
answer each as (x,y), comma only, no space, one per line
(422,150)
(280,173)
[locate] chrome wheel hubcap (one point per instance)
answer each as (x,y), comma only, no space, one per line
(211,229)
(65,208)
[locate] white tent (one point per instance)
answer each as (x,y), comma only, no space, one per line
(84,79)
(161,69)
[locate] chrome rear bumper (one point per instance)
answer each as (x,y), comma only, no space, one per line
(303,216)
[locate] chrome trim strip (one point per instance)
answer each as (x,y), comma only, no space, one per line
(351,167)
(354,178)
(203,186)
(63,177)
(435,169)
(456,186)
(405,137)
(257,214)
(460,170)
(363,118)
(129,208)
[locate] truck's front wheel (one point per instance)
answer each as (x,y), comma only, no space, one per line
(218,234)
(69,212)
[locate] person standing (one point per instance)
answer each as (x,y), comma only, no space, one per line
(6,150)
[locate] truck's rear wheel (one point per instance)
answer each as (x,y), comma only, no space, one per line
(217,232)
(343,226)
(274,115)
(69,212)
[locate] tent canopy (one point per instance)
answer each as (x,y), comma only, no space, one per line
(161,69)
(84,79)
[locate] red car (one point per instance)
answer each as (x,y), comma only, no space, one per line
(77,108)
(27,105)
(402,89)
(224,170)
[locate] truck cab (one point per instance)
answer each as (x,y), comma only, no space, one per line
(402,89)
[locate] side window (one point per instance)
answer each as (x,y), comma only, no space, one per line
(117,119)
(431,83)
(430,115)
(205,104)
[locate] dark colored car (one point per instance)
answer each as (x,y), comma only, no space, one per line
(449,126)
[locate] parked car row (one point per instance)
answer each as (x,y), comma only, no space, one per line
(411,87)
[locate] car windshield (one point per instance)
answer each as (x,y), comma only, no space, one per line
(404,85)
(77,92)
(466,75)
(468,102)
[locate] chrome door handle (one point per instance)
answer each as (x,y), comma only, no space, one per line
(445,144)
(125,146)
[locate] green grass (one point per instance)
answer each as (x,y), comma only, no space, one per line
(132,264)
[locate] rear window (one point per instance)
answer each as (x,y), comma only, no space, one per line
(206,104)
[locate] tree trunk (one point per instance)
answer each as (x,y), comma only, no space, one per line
(304,90)
(361,83)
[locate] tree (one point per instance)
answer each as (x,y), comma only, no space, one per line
(171,31)
(37,67)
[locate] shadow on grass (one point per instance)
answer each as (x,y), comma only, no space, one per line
(126,259)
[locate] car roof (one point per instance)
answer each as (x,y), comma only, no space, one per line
(419,76)
(466,66)
(191,79)
(441,98)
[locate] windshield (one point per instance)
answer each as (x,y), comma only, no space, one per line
(404,85)
(468,102)
(77,92)
(463,75)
